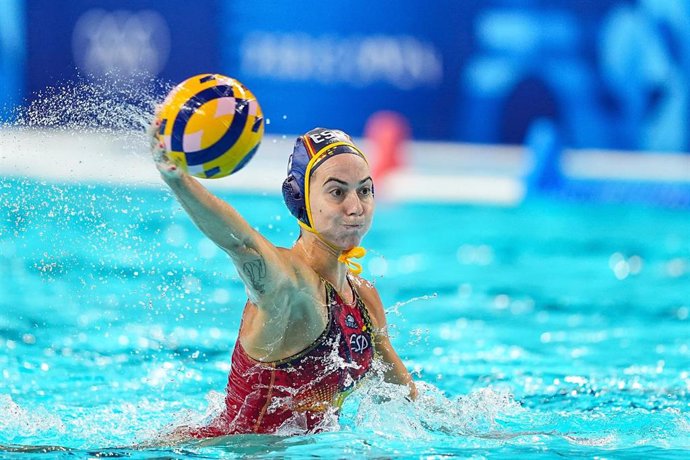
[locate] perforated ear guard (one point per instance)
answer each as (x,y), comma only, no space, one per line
(294,198)
(293,185)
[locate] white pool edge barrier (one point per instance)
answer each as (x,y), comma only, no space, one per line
(431,171)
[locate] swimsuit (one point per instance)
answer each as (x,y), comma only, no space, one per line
(303,389)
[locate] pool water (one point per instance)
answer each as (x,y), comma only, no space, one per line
(553,328)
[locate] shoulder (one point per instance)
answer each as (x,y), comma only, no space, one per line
(296,267)
(300,278)
(372,300)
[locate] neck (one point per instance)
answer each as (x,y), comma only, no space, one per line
(323,259)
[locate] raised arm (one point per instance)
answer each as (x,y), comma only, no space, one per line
(258,261)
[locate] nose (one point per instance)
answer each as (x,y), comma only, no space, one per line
(353,204)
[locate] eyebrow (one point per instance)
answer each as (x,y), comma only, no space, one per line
(342,182)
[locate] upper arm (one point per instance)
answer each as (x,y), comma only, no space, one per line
(374,305)
(377,314)
(267,271)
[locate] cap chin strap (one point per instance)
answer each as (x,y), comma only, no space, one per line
(356,252)
(344,257)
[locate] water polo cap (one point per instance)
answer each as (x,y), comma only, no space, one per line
(310,151)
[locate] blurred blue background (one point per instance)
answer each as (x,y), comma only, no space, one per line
(610,74)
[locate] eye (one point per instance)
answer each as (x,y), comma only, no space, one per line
(336,192)
(366,191)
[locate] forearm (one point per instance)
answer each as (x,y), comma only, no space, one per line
(395,372)
(219,221)
(398,373)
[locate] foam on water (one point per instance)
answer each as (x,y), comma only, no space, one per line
(28,423)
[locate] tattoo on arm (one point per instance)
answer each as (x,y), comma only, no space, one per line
(255,271)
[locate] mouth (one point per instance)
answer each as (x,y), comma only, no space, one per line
(353,225)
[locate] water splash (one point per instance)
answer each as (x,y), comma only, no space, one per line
(385,409)
(94,105)
(18,423)
(395,308)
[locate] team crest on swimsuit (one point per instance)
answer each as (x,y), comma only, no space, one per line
(358,343)
(350,322)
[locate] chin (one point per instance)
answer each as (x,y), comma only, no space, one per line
(350,242)
(343,241)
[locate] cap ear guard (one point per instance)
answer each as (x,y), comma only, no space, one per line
(294,198)
(293,185)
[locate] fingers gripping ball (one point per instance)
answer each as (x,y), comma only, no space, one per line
(211,125)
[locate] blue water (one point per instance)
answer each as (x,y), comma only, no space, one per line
(553,328)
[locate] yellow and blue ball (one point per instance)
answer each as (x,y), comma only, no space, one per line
(211,125)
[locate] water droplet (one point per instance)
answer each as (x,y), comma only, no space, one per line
(501,301)
(682,313)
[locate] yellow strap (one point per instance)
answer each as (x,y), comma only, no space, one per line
(357,252)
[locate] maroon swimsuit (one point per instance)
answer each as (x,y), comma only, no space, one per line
(261,397)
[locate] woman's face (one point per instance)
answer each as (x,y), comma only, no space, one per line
(341,200)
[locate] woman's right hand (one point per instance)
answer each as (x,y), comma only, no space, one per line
(168,168)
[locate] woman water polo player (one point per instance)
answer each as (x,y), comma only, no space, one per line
(311,327)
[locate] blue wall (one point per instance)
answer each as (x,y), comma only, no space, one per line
(12,55)
(68,39)
(608,73)
(334,66)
